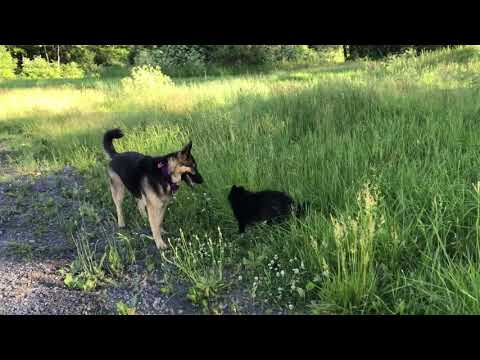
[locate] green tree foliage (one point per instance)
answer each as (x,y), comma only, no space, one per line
(7,64)
(259,54)
(174,59)
(39,68)
(188,60)
(86,56)
(374,52)
(112,54)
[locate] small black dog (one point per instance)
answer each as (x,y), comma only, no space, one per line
(253,207)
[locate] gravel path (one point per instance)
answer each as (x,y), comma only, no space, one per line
(33,248)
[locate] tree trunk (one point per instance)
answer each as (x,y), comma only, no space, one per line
(46,53)
(58,54)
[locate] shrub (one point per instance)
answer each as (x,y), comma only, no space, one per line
(244,54)
(260,55)
(72,71)
(39,68)
(111,54)
(376,52)
(174,60)
(7,64)
(297,53)
(146,77)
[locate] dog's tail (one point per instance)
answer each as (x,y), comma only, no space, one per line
(302,208)
(108,141)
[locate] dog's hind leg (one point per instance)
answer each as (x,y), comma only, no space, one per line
(118,194)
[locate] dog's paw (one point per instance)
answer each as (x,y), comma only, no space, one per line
(161,245)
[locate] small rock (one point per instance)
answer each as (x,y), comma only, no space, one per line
(156,304)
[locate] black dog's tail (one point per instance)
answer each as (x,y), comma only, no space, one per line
(302,208)
(108,141)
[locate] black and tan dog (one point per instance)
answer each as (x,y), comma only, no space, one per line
(152,180)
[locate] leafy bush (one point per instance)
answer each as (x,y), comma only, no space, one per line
(175,60)
(260,55)
(329,53)
(39,68)
(7,64)
(145,77)
(376,52)
(243,54)
(72,71)
(111,54)
(297,53)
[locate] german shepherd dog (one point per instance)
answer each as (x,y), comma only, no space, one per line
(270,206)
(152,180)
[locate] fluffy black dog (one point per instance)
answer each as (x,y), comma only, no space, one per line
(270,206)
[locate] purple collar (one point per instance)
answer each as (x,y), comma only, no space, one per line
(167,177)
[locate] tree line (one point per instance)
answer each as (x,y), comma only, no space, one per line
(353,52)
(90,55)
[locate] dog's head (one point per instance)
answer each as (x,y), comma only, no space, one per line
(236,192)
(187,166)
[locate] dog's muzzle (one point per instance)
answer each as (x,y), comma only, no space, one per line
(192,179)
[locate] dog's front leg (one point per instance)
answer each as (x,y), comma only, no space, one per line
(163,209)
(154,210)
(141,205)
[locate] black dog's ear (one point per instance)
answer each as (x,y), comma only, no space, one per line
(234,187)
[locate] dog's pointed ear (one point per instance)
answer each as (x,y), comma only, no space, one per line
(187,149)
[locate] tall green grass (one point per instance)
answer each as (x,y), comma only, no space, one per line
(408,126)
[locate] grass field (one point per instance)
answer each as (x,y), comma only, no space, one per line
(387,153)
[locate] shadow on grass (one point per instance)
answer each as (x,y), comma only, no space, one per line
(53,83)
(320,113)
